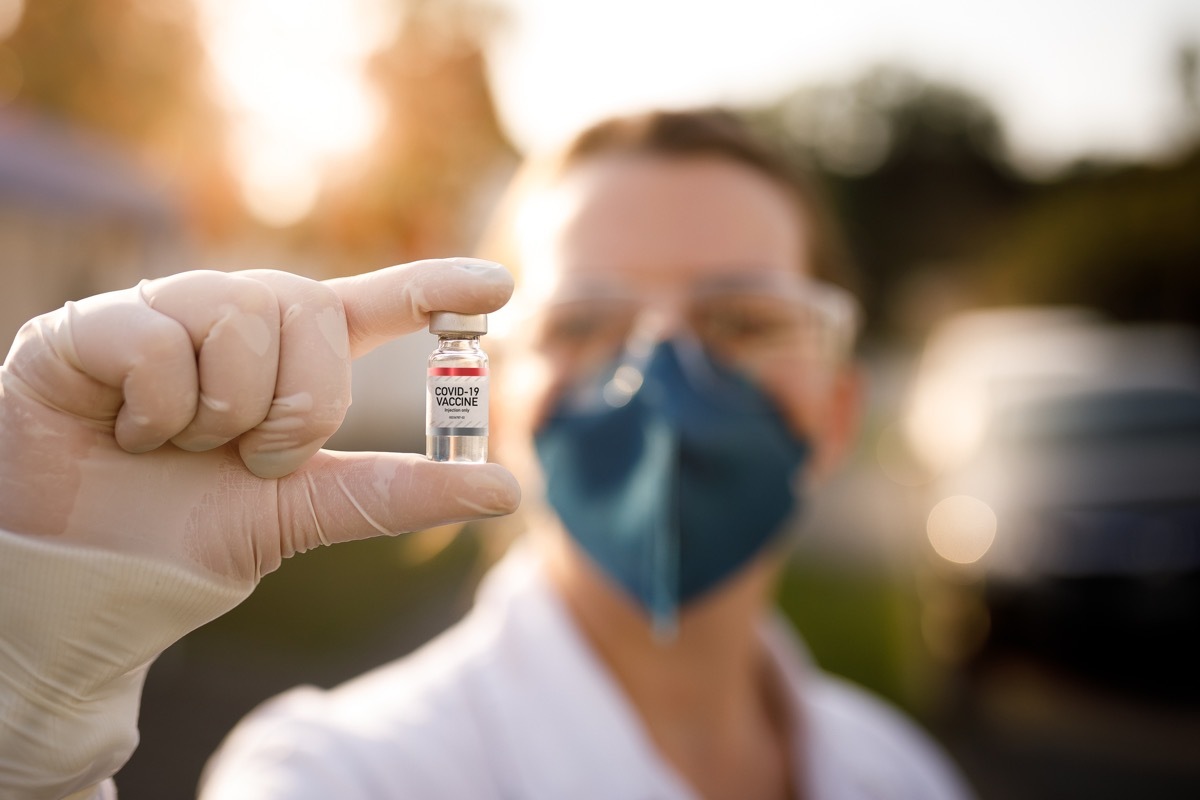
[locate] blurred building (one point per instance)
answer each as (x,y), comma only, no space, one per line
(77,217)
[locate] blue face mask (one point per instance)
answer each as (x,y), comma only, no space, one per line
(676,489)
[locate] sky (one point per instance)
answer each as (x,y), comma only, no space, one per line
(1069,78)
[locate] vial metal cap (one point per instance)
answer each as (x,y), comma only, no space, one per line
(441,322)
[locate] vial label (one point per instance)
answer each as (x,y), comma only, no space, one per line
(457,402)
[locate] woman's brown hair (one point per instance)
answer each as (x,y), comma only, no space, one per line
(684,134)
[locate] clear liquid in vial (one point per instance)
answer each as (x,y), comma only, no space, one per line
(444,447)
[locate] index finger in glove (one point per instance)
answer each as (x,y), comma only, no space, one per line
(390,302)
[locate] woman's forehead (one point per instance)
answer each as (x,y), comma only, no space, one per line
(659,218)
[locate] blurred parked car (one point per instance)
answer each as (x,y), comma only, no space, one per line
(1064,524)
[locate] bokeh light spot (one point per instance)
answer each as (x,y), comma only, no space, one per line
(961,528)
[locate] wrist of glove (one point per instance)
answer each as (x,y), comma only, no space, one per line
(79,627)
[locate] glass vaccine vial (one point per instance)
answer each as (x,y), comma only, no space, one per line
(456,399)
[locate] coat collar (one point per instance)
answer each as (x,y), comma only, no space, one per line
(548,677)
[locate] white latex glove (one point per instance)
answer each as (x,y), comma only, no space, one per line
(172,433)
(183,419)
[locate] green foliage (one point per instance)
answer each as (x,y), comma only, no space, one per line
(920,176)
(858,623)
(1123,240)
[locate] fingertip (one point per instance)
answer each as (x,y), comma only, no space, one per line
(478,266)
(271,464)
(484,287)
(199,442)
(493,274)
(495,479)
(468,490)
(397,300)
(138,433)
(136,441)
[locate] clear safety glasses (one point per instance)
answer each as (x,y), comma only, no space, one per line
(748,324)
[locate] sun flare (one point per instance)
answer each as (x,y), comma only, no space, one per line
(290,74)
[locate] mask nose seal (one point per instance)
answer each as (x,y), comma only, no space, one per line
(680,360)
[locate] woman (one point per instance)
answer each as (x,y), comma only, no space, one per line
(674,375)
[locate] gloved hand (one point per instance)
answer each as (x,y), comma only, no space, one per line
(173,431)
(183,419)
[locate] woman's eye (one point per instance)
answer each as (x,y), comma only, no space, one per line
(581,327)
(734,326)
(577,328)
(738,325)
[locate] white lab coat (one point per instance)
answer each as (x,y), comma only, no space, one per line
(512,703)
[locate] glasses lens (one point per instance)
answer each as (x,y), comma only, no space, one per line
(743,328)
(586,331)
(735,326)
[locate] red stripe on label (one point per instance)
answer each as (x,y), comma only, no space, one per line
(458,371)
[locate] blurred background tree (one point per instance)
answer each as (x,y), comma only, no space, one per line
(939,218)
(1123,239)
(425,187)
(917,171)
(937,215)
(133,72)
